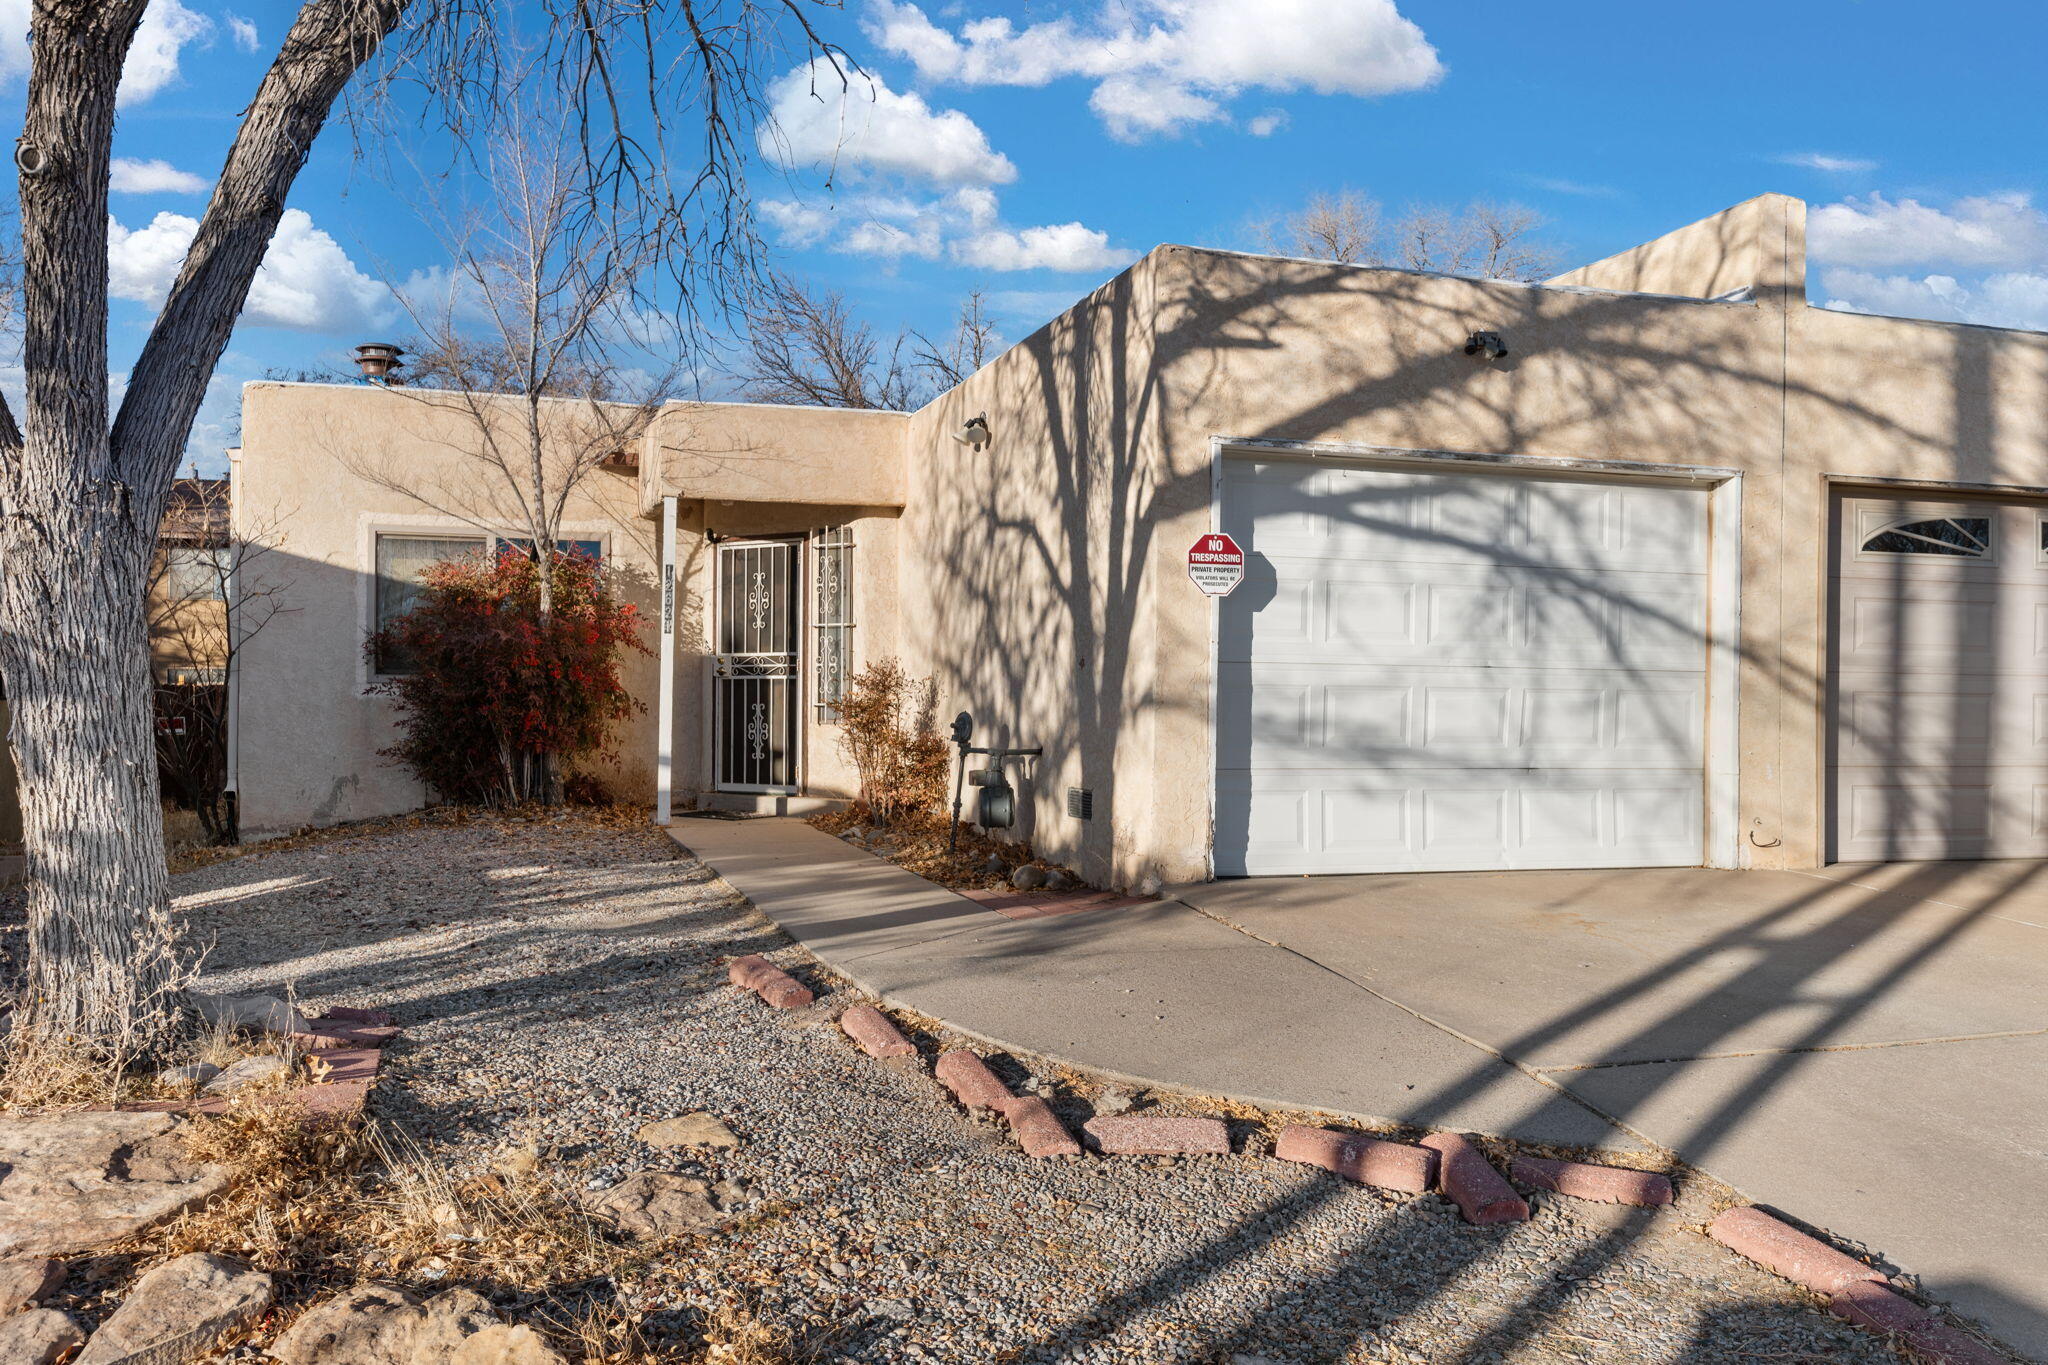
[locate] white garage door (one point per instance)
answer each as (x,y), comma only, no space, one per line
(1939,704)
(1442,671)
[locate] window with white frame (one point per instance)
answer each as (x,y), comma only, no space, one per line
(832,618)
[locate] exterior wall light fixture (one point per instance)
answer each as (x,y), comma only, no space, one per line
(1492,345)
(974,432)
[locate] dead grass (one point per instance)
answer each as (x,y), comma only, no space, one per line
(922,847)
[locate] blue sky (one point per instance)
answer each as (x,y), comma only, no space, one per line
(1031,149)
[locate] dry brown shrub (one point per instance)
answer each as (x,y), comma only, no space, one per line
(890,733)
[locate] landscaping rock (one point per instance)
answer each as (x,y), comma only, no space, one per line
(1157,1135)
(655,1204)
(1370,1161)
(73,1181)
(875,1032)
(1028,878)
(1059,879)
(1468,1179)
(177,1311)
(41,1336)
(376,1324)
(1602,1184)
(265,1013)
(970,1080)
(269,1066)
(185,1077)
(1038,1130)
(1110,1103)
(770,982)
(1787,1251)
(690,1130)
(26,1281)
(994,865)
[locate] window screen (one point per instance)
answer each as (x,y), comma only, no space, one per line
(402,561)
(832,618)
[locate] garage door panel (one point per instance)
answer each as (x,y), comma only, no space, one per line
(1427,671)
(1938,689)
(1304,821)
(1311,609)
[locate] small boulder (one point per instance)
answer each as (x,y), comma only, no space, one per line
(41,1336)
(69,1182)
(994,865)
(268,1066)
(26,1281)
(1059,879)
(654,1205)
(376,1324)
(1110,1103)
(177,1311)
(182,1078)
(690,1130)
(264,1013)
(1028,877)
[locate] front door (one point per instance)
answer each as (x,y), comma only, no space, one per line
(754,701)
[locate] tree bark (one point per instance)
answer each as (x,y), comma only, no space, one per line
(80,503)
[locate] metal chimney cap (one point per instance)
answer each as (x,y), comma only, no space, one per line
(377,359)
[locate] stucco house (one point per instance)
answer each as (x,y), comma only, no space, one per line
(1651,564)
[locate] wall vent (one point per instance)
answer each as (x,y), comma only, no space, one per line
(1081,803)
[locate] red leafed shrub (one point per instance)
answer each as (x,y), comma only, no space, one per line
(496,704)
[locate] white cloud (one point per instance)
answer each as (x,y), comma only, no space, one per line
(306,281)
(1064,246)
(1166,64)
(243,31)
(863,125)
(153,177)
(1267,124)
(1987,232)
(965,226)
(167,26)
(1134,108)
(1830,165)
(2010,299)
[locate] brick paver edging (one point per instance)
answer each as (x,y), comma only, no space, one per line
(1446,1163)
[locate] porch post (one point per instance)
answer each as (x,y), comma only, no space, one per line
(665,717)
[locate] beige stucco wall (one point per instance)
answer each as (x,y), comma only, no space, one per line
(771,453)
(311,475)
(1041,581)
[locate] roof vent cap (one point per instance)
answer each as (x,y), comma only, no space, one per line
(379,361)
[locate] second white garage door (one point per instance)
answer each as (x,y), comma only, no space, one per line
(1455,671)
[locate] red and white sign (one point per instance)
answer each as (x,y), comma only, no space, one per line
(1216,564)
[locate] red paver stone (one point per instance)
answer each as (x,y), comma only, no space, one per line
(1602,1184)
(971,1082)
(1157,1135)
(1468,1179)
(1038,1130)
(322,1036)
(1370,1161)
(875,1033)
(1787,1251)
(770,982)
(1936,1343)
(1878,1308)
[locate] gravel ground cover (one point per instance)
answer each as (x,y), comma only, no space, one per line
(562,984)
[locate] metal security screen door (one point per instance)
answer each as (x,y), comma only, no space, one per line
(754,687)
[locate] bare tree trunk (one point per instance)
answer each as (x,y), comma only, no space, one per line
(80,502)
(76,548)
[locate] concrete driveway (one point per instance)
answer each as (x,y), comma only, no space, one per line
(1866,1048)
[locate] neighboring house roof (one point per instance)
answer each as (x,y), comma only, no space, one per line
(197,512)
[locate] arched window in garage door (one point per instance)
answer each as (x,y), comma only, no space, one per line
(1964,537)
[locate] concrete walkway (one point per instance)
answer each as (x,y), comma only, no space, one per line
(1866,1049)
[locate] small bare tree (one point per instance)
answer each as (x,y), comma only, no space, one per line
(536,343)
(973,343)
(805,345)
(205,604)
(1494,241)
